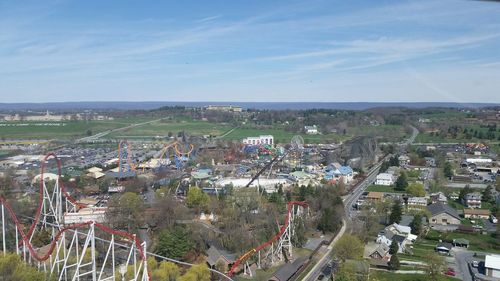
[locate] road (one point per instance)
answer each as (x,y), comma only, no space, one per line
(350,212)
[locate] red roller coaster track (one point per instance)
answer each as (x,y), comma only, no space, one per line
(248,254)
(26,236)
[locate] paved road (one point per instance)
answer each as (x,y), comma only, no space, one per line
(349,201)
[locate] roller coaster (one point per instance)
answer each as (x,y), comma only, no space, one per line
(73,253)
(275,248)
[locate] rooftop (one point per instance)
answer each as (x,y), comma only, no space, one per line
(438,208)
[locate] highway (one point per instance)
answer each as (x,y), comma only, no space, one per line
(323,265)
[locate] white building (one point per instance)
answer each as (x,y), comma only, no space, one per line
(311,130)
(260,140)
(384,179)
(492,266)
(479,160)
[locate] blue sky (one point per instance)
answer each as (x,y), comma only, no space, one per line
(311,50)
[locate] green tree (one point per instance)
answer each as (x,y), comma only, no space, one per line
(396,212)
(394,248)
(435,266)
(402,181)
(166,271)
(125,211)
(394,262)
(13,268)
(197,272)
(197,199)
(416,189)
(349,247)
(488,194)
(174,243)
(448,170)
(464,191)
(416,224)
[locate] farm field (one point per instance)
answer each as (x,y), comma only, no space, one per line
(51,130)
(162,128)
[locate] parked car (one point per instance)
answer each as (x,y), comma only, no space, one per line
(493,219)
(450,272)
(475,263)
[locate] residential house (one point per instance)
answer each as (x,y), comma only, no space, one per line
(395,232)
(492,266)
(217,258)
(472,200)
(477,214)
(439,197)
(416,202)
(384,179)
(380,252)
(311,130)
(442,214)
(404,160)
(289,270)
(375,196)
(444,247)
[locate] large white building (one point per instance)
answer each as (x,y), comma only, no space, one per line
(263,139)
(492,266)
(384,179)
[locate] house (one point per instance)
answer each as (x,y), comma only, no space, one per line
(375,196)
(430,161)
(217,257)
(477,214)
(416,202)
(461,242)
(384,179)
(289,270)
(472,200)
(443,247)
(380,252)
(404,160)
(439,197)
(492,266)
(395,232)
(311,130)
(442,214)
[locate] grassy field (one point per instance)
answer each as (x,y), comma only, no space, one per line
(162,128)
(391,276)
(461,137)
(60,130)
(383,188)
(478,242)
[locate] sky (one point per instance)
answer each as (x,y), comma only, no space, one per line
(250,51)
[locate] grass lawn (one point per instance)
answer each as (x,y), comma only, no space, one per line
(162,128)
(383,188)
(420,251)
(478,242)
(386,132)
(391,276)
(62,129)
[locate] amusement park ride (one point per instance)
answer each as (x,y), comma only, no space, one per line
(81,251)
(89,250)
(275,248)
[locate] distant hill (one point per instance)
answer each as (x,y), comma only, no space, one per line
(253,105)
